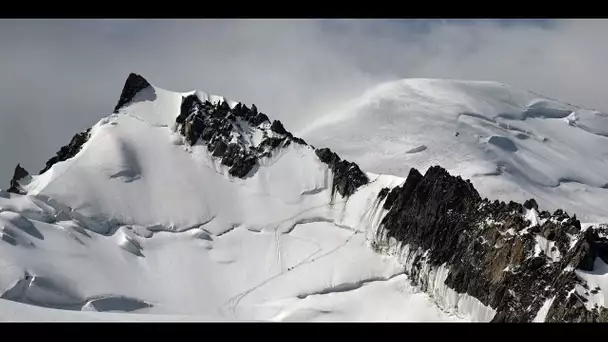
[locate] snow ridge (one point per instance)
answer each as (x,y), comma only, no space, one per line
(511,144)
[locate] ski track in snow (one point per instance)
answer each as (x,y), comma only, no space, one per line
(234,301)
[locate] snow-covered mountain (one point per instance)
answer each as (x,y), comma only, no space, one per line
(189,206)
(512,144)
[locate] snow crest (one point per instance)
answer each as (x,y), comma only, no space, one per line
(512,144)
(141,226)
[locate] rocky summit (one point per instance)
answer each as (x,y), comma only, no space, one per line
(19,174)
(133,85)
(227,133)
(507,255)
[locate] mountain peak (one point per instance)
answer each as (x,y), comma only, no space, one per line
(133,85)
(19,174)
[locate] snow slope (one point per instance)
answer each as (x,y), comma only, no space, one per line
(512,144)
(140,222)
(317,271)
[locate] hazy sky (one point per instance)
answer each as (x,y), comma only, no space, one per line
(59,77)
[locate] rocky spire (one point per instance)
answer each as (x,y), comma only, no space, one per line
(134,84)
(19,174)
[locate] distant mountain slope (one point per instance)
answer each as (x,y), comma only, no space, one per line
(512,144)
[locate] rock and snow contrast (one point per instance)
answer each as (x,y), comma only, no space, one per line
(189,206)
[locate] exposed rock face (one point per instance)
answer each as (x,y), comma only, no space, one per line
(327,156)
(223,130)
(299,140)
(493,253)
(258,119)
(277,127)
(220,128)
(19,174)
(403,191)
(227,134)
(134,84)
(383,193)
(68,151)
(530,204)
(219,149)
(347,175)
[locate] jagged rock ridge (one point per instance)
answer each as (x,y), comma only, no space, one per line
(347,175)
(224,131)
(491,249)
(68,151)
(227,133)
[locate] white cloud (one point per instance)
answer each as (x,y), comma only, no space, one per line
(59,77)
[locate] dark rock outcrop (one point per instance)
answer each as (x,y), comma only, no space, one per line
(242,166)
(490,249)
(403,192)
(219,149)
(391,197)
(531,204)
(233,152)
(327,156)
(68,151)
(191,104)
(347,175)
(271,143)
(134,84)
(19,174)
(242,111)
(435,200)
(383,193)
(299,141)
(277,127)
(259,119)
(216,125)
